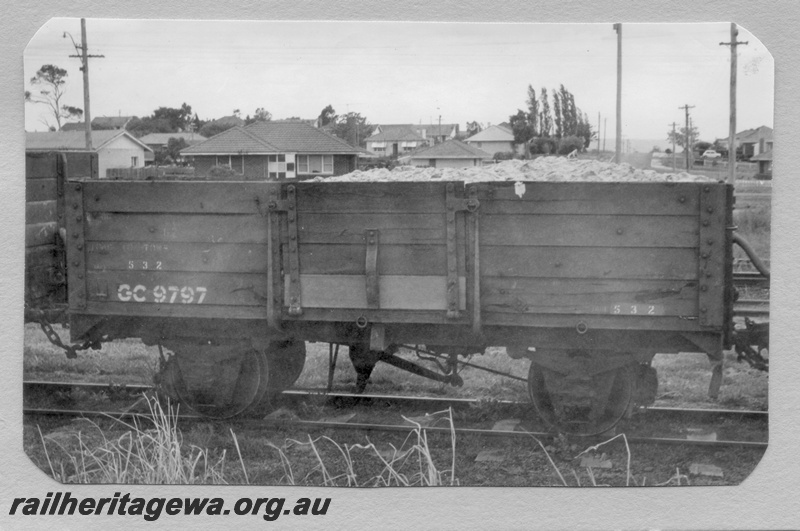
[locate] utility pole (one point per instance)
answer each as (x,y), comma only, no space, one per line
(83,54)
(674,161)
(732,126)
(618,29)
(605,132)
(688,134)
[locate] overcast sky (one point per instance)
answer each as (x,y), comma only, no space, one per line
(411,72)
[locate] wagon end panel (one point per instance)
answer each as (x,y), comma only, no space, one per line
(45,282)
(374,252)
(629,256)
(159,249)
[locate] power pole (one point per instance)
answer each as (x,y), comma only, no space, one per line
(83,54)
(605,132)
(732,126)
(688,133)
(618,29)
(674,161)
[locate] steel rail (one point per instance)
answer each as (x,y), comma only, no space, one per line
(395,428)
(432,403)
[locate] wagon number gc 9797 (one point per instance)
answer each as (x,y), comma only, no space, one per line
(165,294)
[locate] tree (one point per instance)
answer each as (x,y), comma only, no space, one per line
(522,129)
(327,116)
(173,150)
(679,137)
(52,87)
(583,130)
(533,109)
(212,128)
(473,128)
(178,119)
(261,115)
(353,128)
(557,115)
(545,118)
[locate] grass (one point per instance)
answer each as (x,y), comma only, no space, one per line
(140,455)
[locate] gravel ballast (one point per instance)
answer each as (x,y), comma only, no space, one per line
(552,169)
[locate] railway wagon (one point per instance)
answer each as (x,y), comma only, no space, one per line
(45,267)
(588,280)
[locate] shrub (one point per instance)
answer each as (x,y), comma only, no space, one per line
(503,155)
(568,144)
(222,171)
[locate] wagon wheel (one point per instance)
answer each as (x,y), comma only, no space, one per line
(282,363)
(286,359)
(216,388)
(581,406)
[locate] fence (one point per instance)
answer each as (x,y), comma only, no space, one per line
(150,173)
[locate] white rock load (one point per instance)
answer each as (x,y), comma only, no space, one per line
(539,169)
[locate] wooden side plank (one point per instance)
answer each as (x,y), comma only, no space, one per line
(40,189)
(176,228)
(575,296)
(40,165)
(148,309)
(588,262)
(178,197)
(660,199)
(183,289)
(348,227)
(405,197)
(396,292)
(423,260)
(40,234)
(202,257)
(41,212)
(595,231)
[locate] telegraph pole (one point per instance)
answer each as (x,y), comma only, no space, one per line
(732,125)
(618,29)
(688,133)
(674,161)
(83,54)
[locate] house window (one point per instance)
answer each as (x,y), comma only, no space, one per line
(277,164)
(134,162)
(480,144)
(315,164)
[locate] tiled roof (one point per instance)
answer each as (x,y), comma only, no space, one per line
(754,135)
(116,122)
(163,138)
(767,155)
(452,149)
(431,130)
(395,134)
(494,133)
(74,140)
(271,137)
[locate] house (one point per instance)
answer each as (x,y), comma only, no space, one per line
(496,139)
(274,151)
(393,141)
(764,164)
(396,139)
(114,148)
(99,123)
(449,154)
(158,142)
(749,142)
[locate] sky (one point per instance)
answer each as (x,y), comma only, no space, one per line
(395,72)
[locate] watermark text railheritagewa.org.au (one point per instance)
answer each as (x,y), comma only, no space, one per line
(152,508)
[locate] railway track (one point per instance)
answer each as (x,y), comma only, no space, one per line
(523,429)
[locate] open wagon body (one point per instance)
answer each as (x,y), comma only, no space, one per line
(587,279)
